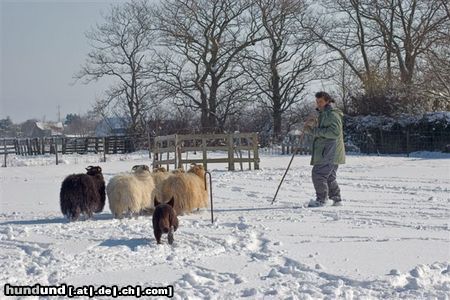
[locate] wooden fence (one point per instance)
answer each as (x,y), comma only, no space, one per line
(169,150)
(70,145)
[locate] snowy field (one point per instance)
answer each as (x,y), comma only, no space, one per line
(390,240)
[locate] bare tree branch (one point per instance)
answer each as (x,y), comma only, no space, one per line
(121,50)
(204,39)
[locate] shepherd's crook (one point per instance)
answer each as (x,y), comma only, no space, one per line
(289,165)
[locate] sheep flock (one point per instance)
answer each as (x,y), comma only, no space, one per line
(133,193)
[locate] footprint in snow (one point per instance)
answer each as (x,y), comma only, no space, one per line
(252,195)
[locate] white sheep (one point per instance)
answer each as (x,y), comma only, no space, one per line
(131,193)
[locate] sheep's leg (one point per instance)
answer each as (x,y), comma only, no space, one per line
(158,235)
(133,215)
(170,235)
(129,214)
(74,217)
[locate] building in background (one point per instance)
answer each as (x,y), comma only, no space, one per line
(45,129)
(114,126)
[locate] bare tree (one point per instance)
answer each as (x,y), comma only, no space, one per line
(380,40)
(339,26)
(446,7)
(345,85)
(409,30)
(198,59)
(79,125)
(435,72)
(281,66)
(121,50)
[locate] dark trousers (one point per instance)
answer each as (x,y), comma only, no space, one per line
(324,180)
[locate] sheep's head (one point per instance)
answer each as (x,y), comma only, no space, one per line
(197,170)
(94,170)
(140,168)
(160,169)
(178,171)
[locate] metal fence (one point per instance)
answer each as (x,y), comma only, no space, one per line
(398,142)
(379,142)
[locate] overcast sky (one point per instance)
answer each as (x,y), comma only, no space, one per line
(42,46)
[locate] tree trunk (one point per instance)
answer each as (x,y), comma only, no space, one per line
(276,114)
(213,104)
(204,120)
(276,97)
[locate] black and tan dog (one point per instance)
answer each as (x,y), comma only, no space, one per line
(164,220)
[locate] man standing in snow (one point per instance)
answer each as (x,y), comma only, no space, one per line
(327,150)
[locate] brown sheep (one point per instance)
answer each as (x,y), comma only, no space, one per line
(187,189)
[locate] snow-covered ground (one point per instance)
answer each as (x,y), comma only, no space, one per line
(391,239)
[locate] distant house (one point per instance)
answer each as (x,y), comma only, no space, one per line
(112,126)
(46,129)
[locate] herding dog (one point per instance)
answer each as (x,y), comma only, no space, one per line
(164,220)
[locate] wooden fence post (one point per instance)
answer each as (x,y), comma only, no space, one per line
(42,149)
(239,152)
(205,163)
(149,141)
(28,147)
(230,153)
(407,143)
(33,146)
(178,152)
(168,154)
(16,146)
(38,146)
(96,145)
(6,153)
(248,140)
(55,142)
(255,151)
(104,149)
(86,145)
(155,152)
(64,146)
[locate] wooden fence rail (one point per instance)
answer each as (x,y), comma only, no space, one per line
(169,150)
(71,145)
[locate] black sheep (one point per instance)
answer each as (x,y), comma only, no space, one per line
(83,194)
